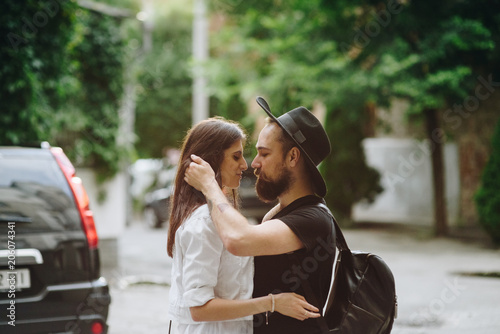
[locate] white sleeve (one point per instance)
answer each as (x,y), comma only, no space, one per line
(202,249)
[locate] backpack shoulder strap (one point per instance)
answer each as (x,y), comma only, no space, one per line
(342,245)
(339,236)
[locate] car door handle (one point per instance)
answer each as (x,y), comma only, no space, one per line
(23,256)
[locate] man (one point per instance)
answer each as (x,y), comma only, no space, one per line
(294,242)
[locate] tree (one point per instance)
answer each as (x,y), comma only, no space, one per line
(353,55)
(429,53)
(285,51)
(164,78)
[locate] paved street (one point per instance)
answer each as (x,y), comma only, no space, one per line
(433,295)
(140,285)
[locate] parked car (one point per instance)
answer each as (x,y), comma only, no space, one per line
(157,201)
(50,278)
(157,206)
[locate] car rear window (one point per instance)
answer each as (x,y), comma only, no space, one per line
(35,194)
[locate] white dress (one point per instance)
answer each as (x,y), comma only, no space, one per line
(202,270)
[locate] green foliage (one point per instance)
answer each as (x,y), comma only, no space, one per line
(34,67)
(61,80)
(348,177)
(488,195)
(429,54)
(287,52)
(429,51)
(98,58)
(163,112)
(350,55)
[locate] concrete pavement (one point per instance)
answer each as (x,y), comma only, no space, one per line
(434,295)
(140,284)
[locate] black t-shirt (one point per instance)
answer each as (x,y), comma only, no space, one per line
(314,226)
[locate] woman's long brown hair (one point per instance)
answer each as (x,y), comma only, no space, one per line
(208,140)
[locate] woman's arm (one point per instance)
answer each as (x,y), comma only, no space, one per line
(237,234)
(289,304)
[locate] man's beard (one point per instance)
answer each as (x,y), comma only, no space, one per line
(269,190)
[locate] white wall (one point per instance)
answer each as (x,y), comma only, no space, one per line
(406,175)
(111,215)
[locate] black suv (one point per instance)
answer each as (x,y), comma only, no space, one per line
(50,278)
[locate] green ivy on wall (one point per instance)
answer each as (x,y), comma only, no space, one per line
(61,81)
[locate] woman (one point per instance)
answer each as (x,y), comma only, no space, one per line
(211,288)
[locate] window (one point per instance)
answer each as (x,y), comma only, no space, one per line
(34,194)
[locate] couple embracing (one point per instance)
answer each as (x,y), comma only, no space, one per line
(228,275)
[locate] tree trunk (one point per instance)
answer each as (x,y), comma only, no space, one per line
(436,137)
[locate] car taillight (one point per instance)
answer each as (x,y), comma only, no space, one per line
(97,328)
(90,230)
(82,200)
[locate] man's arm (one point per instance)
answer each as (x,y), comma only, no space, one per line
(238,236)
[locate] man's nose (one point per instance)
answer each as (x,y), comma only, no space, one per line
(255,163)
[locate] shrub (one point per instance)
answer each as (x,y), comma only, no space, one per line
(488,195)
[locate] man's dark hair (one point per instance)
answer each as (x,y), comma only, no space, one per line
(286,142)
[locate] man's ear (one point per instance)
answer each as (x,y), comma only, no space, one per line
(294,156)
